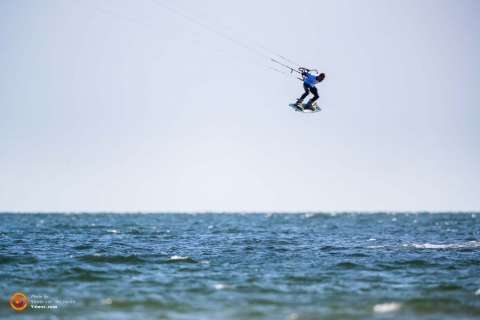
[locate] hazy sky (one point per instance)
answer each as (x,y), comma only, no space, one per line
(98,113)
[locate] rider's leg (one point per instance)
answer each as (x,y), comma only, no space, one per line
(311,104)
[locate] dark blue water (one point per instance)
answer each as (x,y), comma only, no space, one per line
(235,266)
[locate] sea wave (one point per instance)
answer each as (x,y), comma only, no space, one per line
(181,259)
(464,245)
(387,307)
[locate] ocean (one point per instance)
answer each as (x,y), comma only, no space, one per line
(240,266)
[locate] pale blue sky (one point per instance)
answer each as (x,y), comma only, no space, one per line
(98,113)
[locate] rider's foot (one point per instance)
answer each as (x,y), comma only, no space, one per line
(310,105)
(298,104)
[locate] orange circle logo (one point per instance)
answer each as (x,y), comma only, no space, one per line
(18,301)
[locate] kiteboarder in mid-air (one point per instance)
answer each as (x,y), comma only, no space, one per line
(309,77)
(309,82)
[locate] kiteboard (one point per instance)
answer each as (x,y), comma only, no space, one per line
(317,108)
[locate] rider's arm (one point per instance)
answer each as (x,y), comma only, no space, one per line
(304,74)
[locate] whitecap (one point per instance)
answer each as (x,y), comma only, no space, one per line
(466,245)
(113,231)
(178,258)
(371,239)
(292,316)
(221,286)
(386,307)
